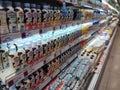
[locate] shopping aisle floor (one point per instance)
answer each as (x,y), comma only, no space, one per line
(111,77)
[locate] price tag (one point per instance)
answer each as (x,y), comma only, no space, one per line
(40,31)
(23,35)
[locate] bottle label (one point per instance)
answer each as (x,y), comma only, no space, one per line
(28,20)
(20,21)
(34,14)
(3,23)
(11,17)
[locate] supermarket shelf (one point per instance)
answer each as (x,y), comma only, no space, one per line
(96,77)
(15,77)
(12,36)
(51,77)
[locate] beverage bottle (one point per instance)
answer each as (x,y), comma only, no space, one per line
(14,58)
(34,16)
(4,61)
(22,55)
(11,17)
(20,16)
(44,16)
(28,16)
(39,16)
(29,51)
(3,20)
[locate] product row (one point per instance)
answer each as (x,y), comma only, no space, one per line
(71,77)
(36,78)
(18,17)
(20,53)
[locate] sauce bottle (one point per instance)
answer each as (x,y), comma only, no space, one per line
(28,16)
(3,20)
(11,17)
(20,17)
(34,16)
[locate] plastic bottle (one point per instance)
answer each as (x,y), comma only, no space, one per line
(4,61)
(11,17)
(28,16)
(34,16)
(22,55)
(14,58)
(39,16)
(20,16)
(44,15)
(35,49)
(3,20)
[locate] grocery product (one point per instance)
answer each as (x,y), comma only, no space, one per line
(20,16)
(3,19)
(28,16)
(34,16)
(11,17)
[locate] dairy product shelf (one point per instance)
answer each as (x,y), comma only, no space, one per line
(19,35)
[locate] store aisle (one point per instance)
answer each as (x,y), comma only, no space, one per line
(111,76)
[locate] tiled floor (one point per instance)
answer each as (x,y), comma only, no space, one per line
(111,76)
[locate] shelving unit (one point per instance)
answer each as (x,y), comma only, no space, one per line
(60,40)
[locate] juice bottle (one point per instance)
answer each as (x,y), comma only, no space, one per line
(39,16)
(11,17)
(34,16)
(20,16)
(28,16)
(3,20)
